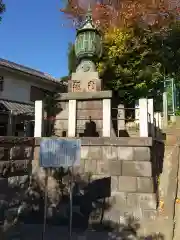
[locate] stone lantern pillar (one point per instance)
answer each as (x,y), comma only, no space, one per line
(88,48)
(89,108)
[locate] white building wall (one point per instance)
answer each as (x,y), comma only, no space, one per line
(18,87)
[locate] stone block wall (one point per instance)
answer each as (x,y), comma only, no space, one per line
(130,168)
(128,163)
(89,118)
(16,155)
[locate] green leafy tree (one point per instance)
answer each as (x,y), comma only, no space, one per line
(130,65)
(52,108)
(2,8)
(64,79)
(134,63)
(71,59)
(170,51)
(71,62)
(136,60)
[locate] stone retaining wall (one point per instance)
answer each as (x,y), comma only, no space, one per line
(127,161)
(133,165)
(16,155)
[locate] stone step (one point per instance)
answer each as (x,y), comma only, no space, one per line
(118,215)
(137,205)
(143,200)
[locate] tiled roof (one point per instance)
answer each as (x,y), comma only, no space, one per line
(27,70)
(18,108)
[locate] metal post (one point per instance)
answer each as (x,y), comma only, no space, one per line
(10,124)
(45,203)
(71,205)
(173,100)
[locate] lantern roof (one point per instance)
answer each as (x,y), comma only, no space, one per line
(87,24)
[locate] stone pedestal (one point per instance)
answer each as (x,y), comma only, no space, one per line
(89,113)
(84,82)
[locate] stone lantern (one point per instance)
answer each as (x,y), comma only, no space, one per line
(89,108)
(88,45)
(88,48)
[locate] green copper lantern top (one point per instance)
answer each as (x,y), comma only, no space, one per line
(88,44)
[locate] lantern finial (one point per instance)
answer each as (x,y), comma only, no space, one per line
(89,11)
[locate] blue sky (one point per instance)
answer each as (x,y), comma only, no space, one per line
(32,34)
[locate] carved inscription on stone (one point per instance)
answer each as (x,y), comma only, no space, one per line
(76,86)
(91,86)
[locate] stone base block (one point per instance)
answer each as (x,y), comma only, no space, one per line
(84,82)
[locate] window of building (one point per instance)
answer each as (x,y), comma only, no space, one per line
(1,83)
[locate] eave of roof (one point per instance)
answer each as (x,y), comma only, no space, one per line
(18,108)
(29,71)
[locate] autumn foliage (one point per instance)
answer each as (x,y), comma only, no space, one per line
(122,13)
